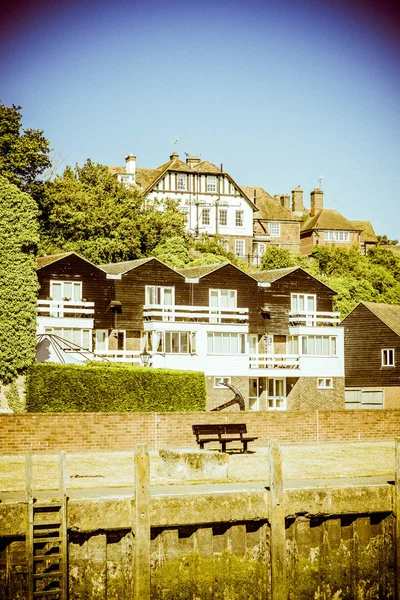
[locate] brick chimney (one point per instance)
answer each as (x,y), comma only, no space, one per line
(297,200)
(285,201)
(191,161)
(317,201)
(130,164)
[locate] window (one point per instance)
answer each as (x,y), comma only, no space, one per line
(223,298)
(160,296)
(258,252)
(226,343)
(223,217)
(239,248)
(336,236)
(205,216)
(181,182)
(325,383)
(239,219)
(79,337)
(303,302)
(274,229)
(169,342)
(224,244)
(318,345)
(66,290)
(252,341)
(368,398)
(211,184)
(293,344)
(219,381)
(276,394)
(101,340)
(388,358)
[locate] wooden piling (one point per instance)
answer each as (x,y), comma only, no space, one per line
(396,508)
(277,524)
(29,530)
(142,524)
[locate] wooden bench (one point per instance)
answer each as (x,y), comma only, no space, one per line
(224,434)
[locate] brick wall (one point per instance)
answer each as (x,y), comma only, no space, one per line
(117,432)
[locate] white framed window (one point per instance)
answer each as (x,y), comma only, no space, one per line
(256,388)
(325,383)
(226,343)
(169,342)
(303,302)
(224,244)
(337,236)
(223,217)
(292,344)
(276,394)
(223,298)
(205,216)
(259,249)
(388,357)
(274,229)
(318,345)
(66,290)
(181,181)
(269,344)
(239,248)
(252,342)
(211,183)
(219,381)
(159,295)
(80,337)
(239,218)
(101,340)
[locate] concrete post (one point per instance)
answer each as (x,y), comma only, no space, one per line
(142,524)
(277,524)
(397,517)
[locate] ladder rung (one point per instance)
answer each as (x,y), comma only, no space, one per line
(48,574)
(48,593)
(47,504)
(46,525)
(40,540)
(48,557)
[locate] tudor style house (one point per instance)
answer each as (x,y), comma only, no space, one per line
(272,334)
(212,201)
(372,351)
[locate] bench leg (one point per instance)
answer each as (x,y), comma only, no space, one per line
(201,445)
(223,444)
(244,445)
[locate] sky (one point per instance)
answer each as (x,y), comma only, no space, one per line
(280,92)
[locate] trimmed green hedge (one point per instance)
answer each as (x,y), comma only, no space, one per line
(115,388)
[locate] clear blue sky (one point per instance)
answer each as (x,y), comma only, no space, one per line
(279,91)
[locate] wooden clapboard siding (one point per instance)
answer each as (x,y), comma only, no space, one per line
(130,291)
(95,285)
(278,298)
(228,277)
(365,335)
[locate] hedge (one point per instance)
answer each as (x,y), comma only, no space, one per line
(116,388)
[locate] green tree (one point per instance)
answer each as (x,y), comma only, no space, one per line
(24,155)
(18,281)
(173,252)
(87,210)
(279,258)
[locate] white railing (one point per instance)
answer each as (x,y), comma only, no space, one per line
(127,356)
(313,319)
(274,361)
(65,308)
(202,314)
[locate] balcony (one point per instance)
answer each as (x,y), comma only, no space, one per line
(124,356)
(65,309)
(274,361)
(314,319)
(199,314)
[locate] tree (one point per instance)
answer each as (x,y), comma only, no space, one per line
(383,240)
(87,210)
(24,156)
(18,281)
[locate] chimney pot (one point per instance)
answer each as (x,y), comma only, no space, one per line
(192,160)
(174,155)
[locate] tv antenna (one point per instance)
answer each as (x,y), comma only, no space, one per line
(174,142)
(320,180)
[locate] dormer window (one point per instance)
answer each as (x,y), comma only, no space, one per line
(211,184)
(181,182)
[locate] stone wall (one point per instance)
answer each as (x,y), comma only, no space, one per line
(117,432)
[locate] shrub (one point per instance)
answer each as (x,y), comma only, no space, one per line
(115,388)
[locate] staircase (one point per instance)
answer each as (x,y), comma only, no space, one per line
(47,539)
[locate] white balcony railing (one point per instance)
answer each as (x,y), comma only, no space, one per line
(200,314)
(126,356)
(274,361)
(314,319)
(65,308)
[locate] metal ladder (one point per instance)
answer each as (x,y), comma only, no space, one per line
(47,539)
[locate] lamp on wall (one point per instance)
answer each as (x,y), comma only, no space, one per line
(144,358)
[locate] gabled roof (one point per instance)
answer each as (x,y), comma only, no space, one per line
(267,208)
(272,275)
(44,261)
(202,271)
(387,313)
(367,231)
(327,219)
(124,267)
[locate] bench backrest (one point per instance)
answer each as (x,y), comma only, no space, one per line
(217,429)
